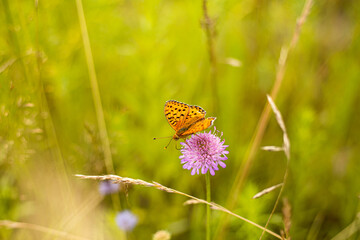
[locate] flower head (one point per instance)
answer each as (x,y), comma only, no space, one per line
(108,187)
(204,151)
(126,220)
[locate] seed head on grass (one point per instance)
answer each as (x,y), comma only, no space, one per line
(126,220)
(204,151)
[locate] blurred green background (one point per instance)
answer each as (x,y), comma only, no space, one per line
(147,52)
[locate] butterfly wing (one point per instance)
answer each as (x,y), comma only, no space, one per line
(175,113)
(195,122)
(198,126)
(186,119)
(195,114)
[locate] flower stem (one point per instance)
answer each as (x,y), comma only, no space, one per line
(208,198)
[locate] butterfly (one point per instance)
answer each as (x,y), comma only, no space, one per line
(186,119)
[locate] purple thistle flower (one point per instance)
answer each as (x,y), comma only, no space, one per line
(203,151)
(108,187)
(126,220)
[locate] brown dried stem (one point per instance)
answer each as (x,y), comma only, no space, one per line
(286,147)
(267,190)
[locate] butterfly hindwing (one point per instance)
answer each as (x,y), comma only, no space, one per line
(199,126)
(195,113)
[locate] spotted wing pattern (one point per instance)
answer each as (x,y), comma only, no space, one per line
(195,114)
(175,113)
(186,119)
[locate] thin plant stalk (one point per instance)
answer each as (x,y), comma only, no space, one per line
(208,212)
(286,148)
(95,88)
(263,121)
(208,25)
(96,98)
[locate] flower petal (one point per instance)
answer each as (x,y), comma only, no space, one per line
(222,164)
(203,152)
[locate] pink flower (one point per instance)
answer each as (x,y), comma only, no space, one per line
(203,151)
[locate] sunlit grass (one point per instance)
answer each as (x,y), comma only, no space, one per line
(91,102)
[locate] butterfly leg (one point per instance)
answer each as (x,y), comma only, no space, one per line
(177,147)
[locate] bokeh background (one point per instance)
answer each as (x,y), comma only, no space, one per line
(147,52)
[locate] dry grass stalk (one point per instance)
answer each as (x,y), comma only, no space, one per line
(286,210)
(279,119)
(191,202)
(272,148)
(233,62)
(7,64)
(195,200)
(286,147)
(280,75)
(34,227)
(267,190)
(301,20)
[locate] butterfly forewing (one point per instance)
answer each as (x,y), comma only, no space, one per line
(175,113)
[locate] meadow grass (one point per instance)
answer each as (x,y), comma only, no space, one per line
(82,90)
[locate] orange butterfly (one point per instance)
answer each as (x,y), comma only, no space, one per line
(186,119)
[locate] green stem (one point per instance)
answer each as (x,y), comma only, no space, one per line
(96,98)
(208,198)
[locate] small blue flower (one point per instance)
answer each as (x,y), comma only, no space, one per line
(126,220)
(204,151)
(108,187)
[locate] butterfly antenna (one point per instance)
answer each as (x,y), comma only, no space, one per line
(162,137)
(165,137)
